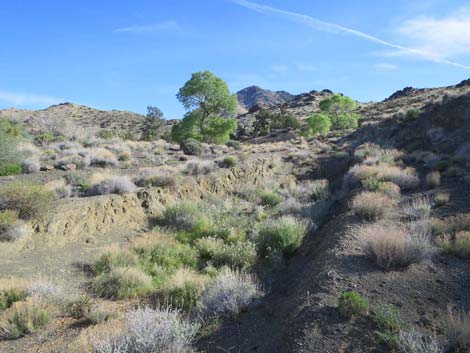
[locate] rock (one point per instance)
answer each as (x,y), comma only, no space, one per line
(464,83)
(47,168)
(68,167)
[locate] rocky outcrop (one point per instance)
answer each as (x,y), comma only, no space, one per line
(255,96)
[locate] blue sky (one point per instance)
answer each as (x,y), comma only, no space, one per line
(116,54)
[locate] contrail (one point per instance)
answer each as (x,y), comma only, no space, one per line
(320,25)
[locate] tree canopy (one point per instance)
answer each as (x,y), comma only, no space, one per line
(208,101)
(340,109)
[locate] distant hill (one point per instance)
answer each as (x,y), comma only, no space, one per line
(255,96)
(72,116)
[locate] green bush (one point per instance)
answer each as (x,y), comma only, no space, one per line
(351,304)
(191,147)
(413,114)
(371,184)
(234,144)
(389,324)
(10,296)
(106,134)
(280,236)
(185,296)
(80,308)
(241,255)
(187,217)
(228,162)
(340,109)
(270,198)
(23,317)
(318,124)
(122,282)
(30,200)
(10,169)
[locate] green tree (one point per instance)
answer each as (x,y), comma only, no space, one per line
(340,110)
(153,122)
(318,124)
(208,99)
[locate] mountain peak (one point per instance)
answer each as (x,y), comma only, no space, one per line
(252,96)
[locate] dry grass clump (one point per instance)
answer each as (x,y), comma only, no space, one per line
(60,188)
(405,178)
(390,189)
(458,331)
(29,200)
(418,207)
(372,205)
(458,244)
(451,225)
(433,179)
(198,167)
(229,293)
(113,184)
(24,317)
(102,157)
(158,177)
(122,282)
(313,190)
(415,342)
(392,247)
(441,198)
(142,331)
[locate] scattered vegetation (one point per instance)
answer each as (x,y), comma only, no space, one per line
(351,304)
(372,205)
(29,200)
(113,185)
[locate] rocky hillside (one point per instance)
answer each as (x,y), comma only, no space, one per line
(70,117)
(254,96)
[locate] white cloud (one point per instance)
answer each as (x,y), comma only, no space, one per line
(446,37)
(279,69)
(151,28)
(338,29)
(19,99)
(385,66)
(304,67)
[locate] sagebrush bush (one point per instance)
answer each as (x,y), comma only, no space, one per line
(372,205)
(229,293)
(391,247)
(198,167)
(351,304)
(43,288)
(415,342)
(186,216)
(441,198)
(30,165)
(113,185)
(313,190)
(161,177)
(458,244)
(418,207)
(390,189)
(458,331)
(29,200)
(451,225)
(145,331)
(228,162)
(278,236)
(23,317)
(101,157)
(191,147)
(405,178)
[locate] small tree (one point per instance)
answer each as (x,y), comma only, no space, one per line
(340,109)
(153,122)
(208,99)
(262,125)
(318,124)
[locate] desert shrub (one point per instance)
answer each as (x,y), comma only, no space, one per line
(366,150)
(371,184)
(43,289)
(23,317)
(389,324)
(390,189)
(318,124)
(289,206)
(391,247)
(113,185)
(280,236)
(161,177)
(98,315)
(106,134)
(29,200)
(351,304)
(413,114)
(8,218)
(145,331)
(270,198)
(79,308)
(415,342)
(418,207)
(340,109)
(199,167)
(115,257)
(229,293)
(313,190)
(228,162)
(10,157)
(372,205)
(441,198)
(10,296)
(241,255)
(458,331)
(185,216)
(458,244)
(405,178)
(451,225)
(433,179)
(122,282)
(101,157)
(234,144)
(162,255)
(183,290)
(191,147)
(30,165)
